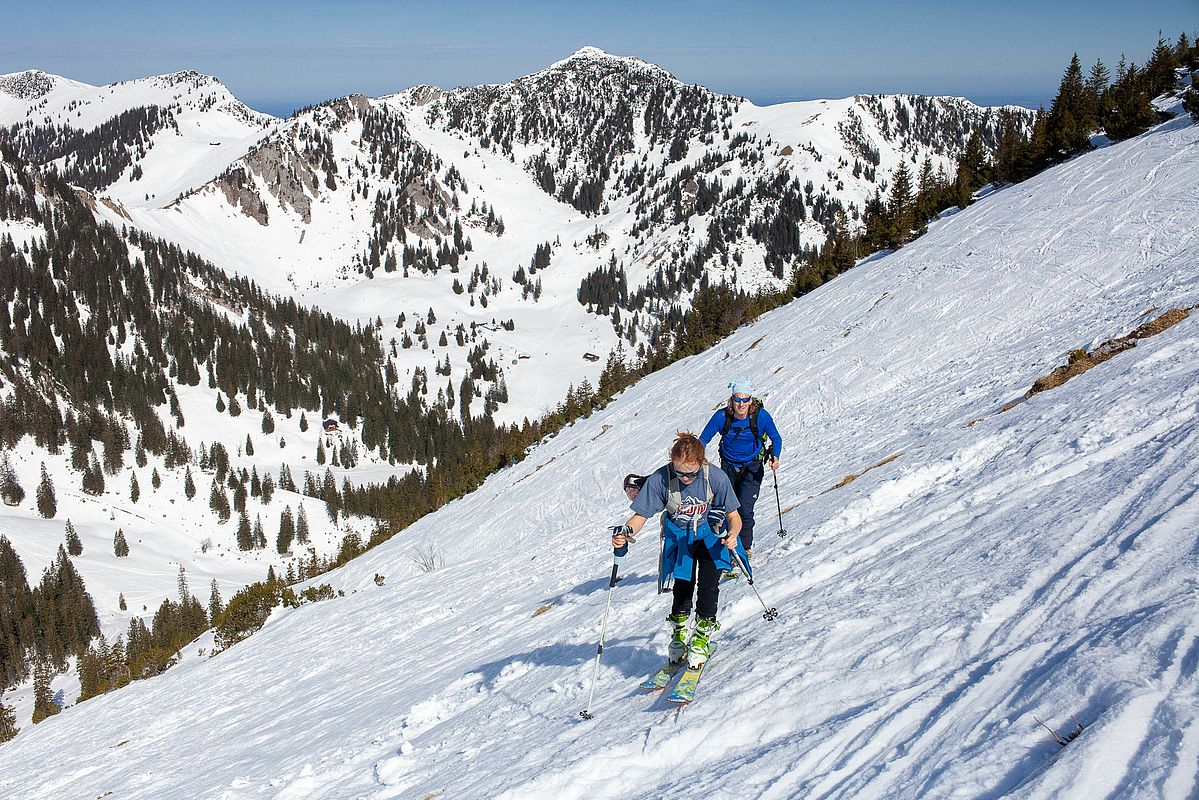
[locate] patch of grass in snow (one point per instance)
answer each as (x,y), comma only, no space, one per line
(1079,361)
(853,476)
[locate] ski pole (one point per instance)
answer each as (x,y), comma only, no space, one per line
(618,554)
(778,504)
(768,613)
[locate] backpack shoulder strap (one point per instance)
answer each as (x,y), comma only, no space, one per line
(708,484)
(674,495)
(753,418)
(728,423)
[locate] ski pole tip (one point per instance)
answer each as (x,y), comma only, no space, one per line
(586,715)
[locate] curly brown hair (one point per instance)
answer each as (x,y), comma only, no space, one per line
(688,449)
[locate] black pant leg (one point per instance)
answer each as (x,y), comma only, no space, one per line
(682,593)
(704,583)
(708,589)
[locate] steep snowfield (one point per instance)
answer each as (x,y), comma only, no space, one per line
(1038,562)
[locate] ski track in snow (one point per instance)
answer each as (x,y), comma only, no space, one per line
(1040,562)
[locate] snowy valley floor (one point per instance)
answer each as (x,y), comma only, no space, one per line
(1042,561)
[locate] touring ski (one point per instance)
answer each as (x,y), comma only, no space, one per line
(661,679)
(684,690)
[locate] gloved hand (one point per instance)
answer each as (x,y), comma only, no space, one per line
(621,534)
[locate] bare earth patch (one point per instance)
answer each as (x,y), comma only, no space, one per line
(850,478)
(1079,361)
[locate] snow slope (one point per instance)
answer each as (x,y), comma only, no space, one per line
(1036,562)
(211,127)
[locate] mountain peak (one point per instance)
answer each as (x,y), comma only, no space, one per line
(589,54)
(588,51)
(28,85)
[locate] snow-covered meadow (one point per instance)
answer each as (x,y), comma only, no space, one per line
(992,567)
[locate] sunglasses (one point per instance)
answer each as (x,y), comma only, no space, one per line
(682,474)
(742,399)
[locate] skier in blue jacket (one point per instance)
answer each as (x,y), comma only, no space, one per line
(743,456)
(700,527)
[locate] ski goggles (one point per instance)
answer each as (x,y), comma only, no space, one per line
(742,399)
(687,475)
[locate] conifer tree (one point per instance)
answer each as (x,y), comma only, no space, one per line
(901,207)
(1190,100)
(1159,70)
(218,501)
(135,491)
(47,502)
(286,482)
(302,532)
(119,545)
(258,534)
(215,605)
(74,545)
(93,478)
(189,486)
(268,489)
(1130,110)
(43,696)
(1070,122)
(121,602)
(320,451)
(303,422)
(245,536)
(155,478)
(91,669)
(8,720)
(268,423)
(181,586)
(287,531)
(10,488)
(972,169)
(1097,84)
(249,445)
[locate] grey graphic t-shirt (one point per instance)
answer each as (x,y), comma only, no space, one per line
(694,505)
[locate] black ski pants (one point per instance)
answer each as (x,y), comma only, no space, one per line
(747,482)
(706,588)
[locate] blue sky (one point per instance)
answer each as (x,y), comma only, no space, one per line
(276,56)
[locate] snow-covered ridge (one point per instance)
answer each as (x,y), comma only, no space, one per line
(206,128)
(320,222)
(1003,567)
(28,85)
(589,55)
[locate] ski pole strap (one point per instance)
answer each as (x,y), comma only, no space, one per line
(624,530)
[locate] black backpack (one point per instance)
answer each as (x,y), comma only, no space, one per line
(754,407)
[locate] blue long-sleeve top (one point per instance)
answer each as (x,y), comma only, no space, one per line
(738,445)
